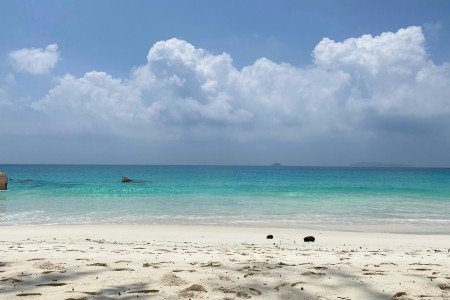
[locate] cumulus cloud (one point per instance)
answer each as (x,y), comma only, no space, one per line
(388,73)
(35,60)
(363,86)
(400,53)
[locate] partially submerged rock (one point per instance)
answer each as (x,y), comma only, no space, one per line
(3,181)
(125,179)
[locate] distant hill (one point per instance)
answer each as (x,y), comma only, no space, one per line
(276,165)
(365,164)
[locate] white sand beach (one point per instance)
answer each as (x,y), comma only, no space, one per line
(215,262)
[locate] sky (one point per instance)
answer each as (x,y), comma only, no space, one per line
(304,83)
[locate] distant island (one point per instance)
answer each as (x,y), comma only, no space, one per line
(365,164)
(276,165)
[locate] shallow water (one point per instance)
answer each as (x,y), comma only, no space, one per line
(281,196)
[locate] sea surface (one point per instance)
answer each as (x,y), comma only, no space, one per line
(394,199)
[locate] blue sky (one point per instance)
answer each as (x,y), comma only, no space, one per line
(225,82)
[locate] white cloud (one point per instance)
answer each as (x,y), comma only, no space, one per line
(356,87)
(94,103)
(397,53)
(35,60)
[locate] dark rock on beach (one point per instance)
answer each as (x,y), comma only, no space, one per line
(309,238)
(269,237)
(3,181)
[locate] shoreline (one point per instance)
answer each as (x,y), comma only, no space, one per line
(219,262)
(390,228)
(210,233)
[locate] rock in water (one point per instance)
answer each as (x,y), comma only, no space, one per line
(125,179)
(3,181)
(269,237)
(309,238)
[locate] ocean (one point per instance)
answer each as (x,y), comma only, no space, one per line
(390,199)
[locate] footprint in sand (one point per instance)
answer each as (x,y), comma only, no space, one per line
(212,264)
(297,283)
(444,286)
(50,267)
(240,292)
(156,265)
(98,265)
(28,294)
(310,273)
(13,280)
(372,272)
(192,291)
(52,284)
(143,291)
(172,280)
(224,278)
(179,270)
(86,293)
(277,288)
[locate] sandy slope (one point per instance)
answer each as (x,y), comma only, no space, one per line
(208,262)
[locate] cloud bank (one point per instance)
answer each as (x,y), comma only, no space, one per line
(380,88)
(35,60)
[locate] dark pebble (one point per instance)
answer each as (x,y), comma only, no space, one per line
(309,238)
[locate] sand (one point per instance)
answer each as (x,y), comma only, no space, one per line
(215,262)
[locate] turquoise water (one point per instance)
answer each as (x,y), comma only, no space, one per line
(292,196)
